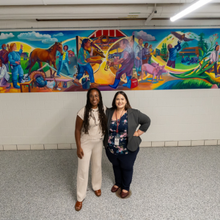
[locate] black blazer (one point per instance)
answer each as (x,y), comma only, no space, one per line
(135,118)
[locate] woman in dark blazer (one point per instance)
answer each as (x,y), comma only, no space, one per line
(122,139)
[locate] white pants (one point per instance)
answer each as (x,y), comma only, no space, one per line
(92,149)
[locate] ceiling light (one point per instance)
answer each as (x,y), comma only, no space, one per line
(188,10)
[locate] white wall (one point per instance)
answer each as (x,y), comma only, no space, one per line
(37,120)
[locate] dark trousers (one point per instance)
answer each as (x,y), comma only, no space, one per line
(123,167)
(171,63)
(215,68)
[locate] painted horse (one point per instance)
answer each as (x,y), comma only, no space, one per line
(42,55)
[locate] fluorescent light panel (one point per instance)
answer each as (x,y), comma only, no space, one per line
(188,10)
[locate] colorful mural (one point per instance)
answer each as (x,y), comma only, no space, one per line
(63,61)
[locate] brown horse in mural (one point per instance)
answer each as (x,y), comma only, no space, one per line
(42,55)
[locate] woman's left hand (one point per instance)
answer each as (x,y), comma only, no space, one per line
(136,134)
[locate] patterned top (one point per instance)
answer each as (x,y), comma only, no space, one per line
(83,56)
(123,134)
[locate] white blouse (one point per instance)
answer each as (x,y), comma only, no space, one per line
(95,129)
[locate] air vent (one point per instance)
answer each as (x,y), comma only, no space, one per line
(134,13)
(132,16)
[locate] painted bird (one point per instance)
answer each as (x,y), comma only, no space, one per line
(181,37)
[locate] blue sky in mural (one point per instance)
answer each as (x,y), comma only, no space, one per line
(159,34)
(43,39)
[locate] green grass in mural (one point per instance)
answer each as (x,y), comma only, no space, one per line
(198,73)
(192,84)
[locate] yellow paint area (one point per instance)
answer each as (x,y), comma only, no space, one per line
(212,75)
(101,74)
(26,47)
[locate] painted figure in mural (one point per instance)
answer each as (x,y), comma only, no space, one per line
(187,59)
(84,60)
(183,60)
(14,58)
(127,61)
(193,60)
(63,60)
(151,50)
(4,76)
(4,54)
(138,55)
(172,54)
(145,54)
(196,59)
(214,59)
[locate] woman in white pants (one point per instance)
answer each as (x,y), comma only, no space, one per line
(90,128)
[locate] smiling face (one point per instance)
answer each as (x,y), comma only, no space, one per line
(120,101)
(94,98)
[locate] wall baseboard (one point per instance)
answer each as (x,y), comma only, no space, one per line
(189,143)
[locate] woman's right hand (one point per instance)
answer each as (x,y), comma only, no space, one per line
(80,153)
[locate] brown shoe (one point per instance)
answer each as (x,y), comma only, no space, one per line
(124,194)
(114,189)
(98,192)
(78,206)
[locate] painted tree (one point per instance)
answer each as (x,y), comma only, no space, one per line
(185,45)
(164,51)
(202,44)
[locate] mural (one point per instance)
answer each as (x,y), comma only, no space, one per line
(63,61)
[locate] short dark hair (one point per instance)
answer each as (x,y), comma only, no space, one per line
(84,41)
(66,46)
(127,106)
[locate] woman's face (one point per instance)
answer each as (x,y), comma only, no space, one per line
(87,44)
(14,47)
(121,45)
(94,98)
(120,101)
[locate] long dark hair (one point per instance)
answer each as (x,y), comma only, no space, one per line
(127,106)
(88,108)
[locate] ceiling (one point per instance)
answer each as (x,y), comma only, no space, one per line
(57,10)
(77,2)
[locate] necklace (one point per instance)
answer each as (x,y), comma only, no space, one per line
(118,121)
